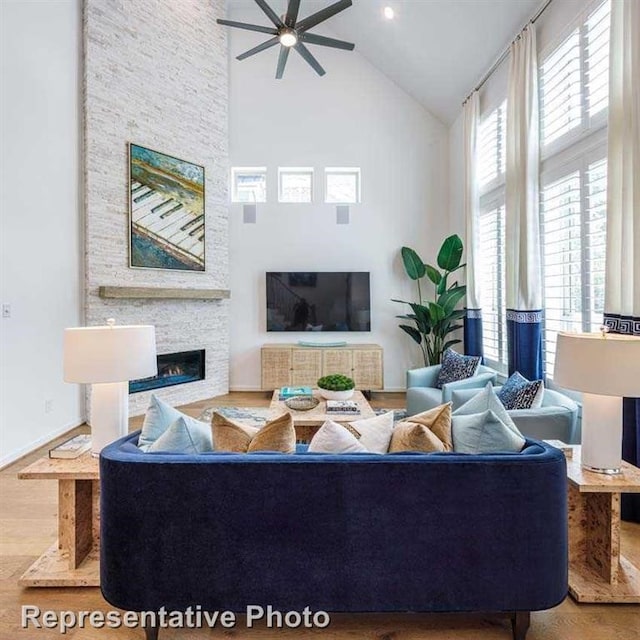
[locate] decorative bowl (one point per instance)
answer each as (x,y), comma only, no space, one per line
(302,403)
(327,394)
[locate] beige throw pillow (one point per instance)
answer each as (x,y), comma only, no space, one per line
(333,437)
(374,433)
(278,434)
(427,431)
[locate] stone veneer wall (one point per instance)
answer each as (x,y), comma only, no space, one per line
(156,75)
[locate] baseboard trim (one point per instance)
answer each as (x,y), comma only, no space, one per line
(36,444)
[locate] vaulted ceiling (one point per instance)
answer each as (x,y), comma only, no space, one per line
(436,50)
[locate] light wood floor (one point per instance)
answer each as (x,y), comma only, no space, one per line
(28,527)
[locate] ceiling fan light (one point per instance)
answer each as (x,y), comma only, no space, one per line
(288,38)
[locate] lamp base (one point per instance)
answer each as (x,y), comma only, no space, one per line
(109,414)
(609,472)
(602,434)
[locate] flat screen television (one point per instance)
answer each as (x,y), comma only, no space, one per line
(318,301)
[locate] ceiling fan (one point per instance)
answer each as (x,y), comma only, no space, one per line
(292,33)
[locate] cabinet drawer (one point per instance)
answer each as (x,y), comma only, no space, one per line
(337,361)
(306,367)
(276,368)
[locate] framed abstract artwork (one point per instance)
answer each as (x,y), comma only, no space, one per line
(166,211)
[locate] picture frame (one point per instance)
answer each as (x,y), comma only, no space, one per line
(167,223)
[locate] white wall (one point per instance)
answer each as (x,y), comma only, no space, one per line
(456,179)
(353,116)
(40,212)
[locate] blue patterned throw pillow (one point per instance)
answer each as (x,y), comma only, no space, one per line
(456,367)
(520,393)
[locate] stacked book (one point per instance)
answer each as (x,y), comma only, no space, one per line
(292,392)
(342,406)
(72,448)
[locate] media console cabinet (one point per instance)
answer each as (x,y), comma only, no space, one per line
(285,365)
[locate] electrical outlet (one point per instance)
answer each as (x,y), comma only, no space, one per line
(48,405)
(6,310)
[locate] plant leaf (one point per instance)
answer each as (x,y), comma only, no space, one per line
(401,301)
(452,328)
(450,343)
(413,265)
(450,253)
(442,285)
(423,318)
(436,311)
(449,299)
(413,332)
(433,274)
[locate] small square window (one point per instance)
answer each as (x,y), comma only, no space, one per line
(295,184)
(342,185)
(249,184)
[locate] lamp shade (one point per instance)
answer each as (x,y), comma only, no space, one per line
(109,353)
(603,365)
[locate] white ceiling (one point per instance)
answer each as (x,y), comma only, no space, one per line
(436,50)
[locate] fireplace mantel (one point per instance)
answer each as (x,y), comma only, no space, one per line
(163,293)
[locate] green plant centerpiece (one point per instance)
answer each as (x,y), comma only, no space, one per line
(433,321)
(336,387)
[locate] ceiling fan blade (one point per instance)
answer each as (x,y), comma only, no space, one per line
(248,27)
(312,38)
(261,47)
(308,56)
(322,15)
(270,13)
(282,61)
(291,16)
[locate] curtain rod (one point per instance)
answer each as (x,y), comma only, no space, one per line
(505,53)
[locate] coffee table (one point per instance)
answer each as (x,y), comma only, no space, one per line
(307,423)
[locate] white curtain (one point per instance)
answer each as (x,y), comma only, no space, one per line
(471,119)
(522,231)
(622,298)
(522,226)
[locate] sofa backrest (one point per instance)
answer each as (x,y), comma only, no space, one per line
(363,532)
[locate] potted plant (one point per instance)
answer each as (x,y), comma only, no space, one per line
(336,387)
(434,321)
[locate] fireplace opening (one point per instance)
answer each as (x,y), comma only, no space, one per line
(173,369)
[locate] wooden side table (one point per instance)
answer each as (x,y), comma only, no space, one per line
(73,561)
(598,572)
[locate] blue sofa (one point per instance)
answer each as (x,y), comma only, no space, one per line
(404,532)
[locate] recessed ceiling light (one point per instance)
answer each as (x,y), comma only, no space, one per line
(389,13)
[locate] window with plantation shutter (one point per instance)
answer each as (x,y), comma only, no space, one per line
(491,177)
(574,80)
(597,59)
(491,282)
(491,148)
(573,233)
(574,97)
(560,90)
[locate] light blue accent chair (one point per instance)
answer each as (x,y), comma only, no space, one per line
(556,419)
(422,393)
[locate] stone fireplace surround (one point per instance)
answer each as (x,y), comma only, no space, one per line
(155,73)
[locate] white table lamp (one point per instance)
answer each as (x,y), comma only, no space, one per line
(108,357)
(606,368)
